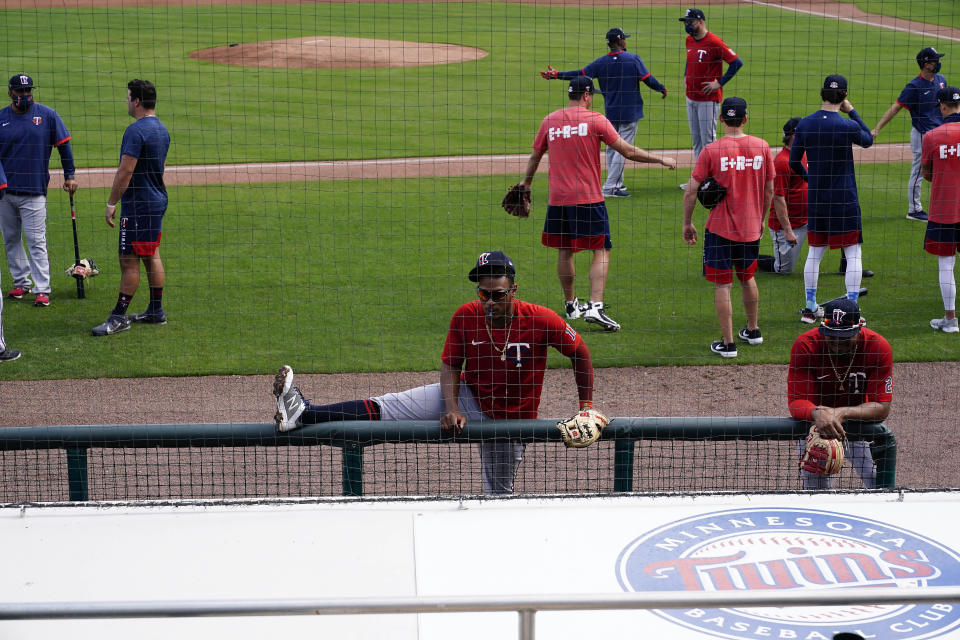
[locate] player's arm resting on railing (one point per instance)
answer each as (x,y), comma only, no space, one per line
(887,117)
(450,388)
(637,154)
(583,374)
(120,183)
(532,163)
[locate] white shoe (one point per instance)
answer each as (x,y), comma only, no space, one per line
(947,326)
(574,309)
(290,403)
(683,186)
(594,313)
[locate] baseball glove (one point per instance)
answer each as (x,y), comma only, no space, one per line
(710,192)
(86,269)
(517,200)
(583,429)
(822,456)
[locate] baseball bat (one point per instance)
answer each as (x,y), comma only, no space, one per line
(76,250)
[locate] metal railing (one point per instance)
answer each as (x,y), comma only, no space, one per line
(525,606)
(352,437)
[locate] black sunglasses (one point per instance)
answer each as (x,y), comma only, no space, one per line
(495,295)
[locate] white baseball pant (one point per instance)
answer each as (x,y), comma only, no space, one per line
(25,218)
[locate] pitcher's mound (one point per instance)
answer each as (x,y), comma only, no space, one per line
(333,52)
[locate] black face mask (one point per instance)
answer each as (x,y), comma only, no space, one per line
(23,102)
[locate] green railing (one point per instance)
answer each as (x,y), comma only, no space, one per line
(353,437)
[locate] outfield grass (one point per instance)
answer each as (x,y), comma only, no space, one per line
(368,280)
(218,113)
(939,12)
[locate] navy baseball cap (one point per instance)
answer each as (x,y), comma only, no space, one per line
(20,81)
(693,14)
(581,84)
(790,126)
(929,54)
(733,107)
(615,34)
(841,318)
(492,263)
(835,81)
(949,95)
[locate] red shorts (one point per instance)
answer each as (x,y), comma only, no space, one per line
(834,240)
(721,257)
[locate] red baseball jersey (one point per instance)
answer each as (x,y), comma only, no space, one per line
(506,375)
(793,188)
(814,378)
(705,58)
(941,149)
(572,138)
(743,165)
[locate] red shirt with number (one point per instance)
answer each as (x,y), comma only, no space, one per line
(792,188)
(743,165)
(572,137)
(705,58)
(941,148)
(507,387)
(815,379)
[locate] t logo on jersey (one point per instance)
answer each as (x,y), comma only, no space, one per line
(37,120)
(516,352)
(741,163)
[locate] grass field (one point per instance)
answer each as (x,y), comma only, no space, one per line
(359,284)
(364,275)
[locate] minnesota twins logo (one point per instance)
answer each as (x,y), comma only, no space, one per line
(838,315)
(770,549)
(37,120)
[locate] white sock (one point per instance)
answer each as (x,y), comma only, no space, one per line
(811,269)
(948,285)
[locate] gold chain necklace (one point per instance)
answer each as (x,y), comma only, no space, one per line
(502,352)
(842,379)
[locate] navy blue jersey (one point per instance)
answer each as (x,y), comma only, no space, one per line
(146,140)
(26,141)
(827,138)
(619,74)
(919,97)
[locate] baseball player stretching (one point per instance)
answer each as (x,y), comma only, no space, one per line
(743,165)
(28,133)
(919,97)
(619,74)
(492,368)
(706,53)
(940,163)
(138,187)
(576,213)
(840,371)
(832,203)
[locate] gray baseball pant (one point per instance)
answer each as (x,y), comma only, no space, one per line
(914,186)
(3,342)
(25,218)
(785,256)
(615,161)
(499,460)
(702,117)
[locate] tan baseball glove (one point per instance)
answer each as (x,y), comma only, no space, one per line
(583,429)
(86,269)
(822,456)
(517,200)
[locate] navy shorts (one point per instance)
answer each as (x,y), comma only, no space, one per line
(942,239)
(140,233)
(577,227)
(721,257)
